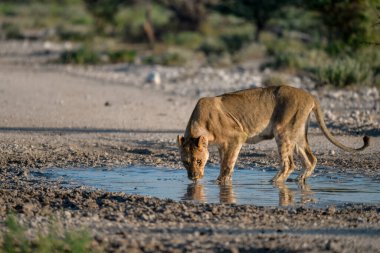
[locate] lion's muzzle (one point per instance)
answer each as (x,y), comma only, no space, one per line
(194,176)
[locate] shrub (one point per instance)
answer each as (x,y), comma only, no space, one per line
(234,42)
(65,33)
(171,57)
(274,80)
(82,55)
(345,71)
(290,55)
(250,52)
(191,40)
(128,56)
(129,22)
(212,46)
(11,31)
(7,10)
(16,240)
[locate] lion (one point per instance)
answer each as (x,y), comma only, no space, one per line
(250,116)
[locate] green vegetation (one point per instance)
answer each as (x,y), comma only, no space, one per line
(82,55)
(256,11)
(334,41)
(15,240)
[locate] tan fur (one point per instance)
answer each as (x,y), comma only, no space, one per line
(253,115)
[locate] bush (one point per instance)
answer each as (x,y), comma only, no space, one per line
(72,34)
(274,80)
(250,52)
(212,46)
(348,23)
(7,10)
(191,40)
(11,31)
(234,42)
(171,57)
(16,240)
(128,56)
(82,55)
(292,55)
(345,71)
(358,69)
(87,55)
(129,22)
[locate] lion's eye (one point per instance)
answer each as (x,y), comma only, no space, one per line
(199,162)
(186,163)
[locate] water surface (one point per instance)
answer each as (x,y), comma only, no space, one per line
(249,186)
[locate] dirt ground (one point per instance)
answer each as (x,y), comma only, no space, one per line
(51,118)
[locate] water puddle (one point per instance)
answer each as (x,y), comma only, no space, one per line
(249,186)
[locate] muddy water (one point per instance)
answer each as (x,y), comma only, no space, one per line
(249,186)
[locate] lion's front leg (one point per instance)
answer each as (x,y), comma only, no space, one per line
(228,156)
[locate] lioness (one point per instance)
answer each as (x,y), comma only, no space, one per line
(251,116)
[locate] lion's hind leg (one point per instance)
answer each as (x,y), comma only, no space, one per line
(285,150)
(309,161)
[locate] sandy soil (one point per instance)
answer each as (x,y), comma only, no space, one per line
(51,118)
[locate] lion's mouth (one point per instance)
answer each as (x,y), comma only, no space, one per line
(195,178)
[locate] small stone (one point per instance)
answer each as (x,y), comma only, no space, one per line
(331,210)
(67,214)
(154,78)
(28,208)
(332,245)
(144,217)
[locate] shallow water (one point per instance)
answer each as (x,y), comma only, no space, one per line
(249,186)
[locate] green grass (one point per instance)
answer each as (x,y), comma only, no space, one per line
(186,39)
(169,57)
(345,71)
(127,56)
(295,40)
(82,55)
(130,21)
(67,16)
(8,10)
(86,54)
(15,240)
(354,68)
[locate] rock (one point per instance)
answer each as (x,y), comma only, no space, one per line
(154,77)
(331,210)
(333,246)
(28,209)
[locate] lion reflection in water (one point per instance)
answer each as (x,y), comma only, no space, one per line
(286,195)
(196,191)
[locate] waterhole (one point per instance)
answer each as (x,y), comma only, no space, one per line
(249,186)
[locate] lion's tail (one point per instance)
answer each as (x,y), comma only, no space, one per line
(319,116)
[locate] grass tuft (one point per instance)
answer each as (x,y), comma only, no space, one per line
(15,240)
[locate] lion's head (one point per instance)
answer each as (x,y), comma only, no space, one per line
(194,155)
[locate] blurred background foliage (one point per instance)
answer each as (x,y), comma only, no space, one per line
(333,41)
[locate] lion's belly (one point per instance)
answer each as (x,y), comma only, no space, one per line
(258,136)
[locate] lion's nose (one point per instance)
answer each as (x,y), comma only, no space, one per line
(193,175)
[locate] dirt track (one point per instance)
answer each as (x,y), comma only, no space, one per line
(50,118)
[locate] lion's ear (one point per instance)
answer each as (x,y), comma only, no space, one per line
(202,142)
(180,140)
